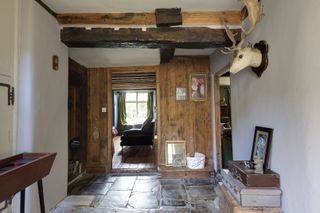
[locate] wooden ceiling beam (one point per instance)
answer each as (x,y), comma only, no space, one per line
(168,17)
(188,18)
(166,55)
(164,37)
(48,9)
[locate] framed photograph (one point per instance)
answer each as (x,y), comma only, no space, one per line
(198,86)
(262,144)
(176,153)
(181,94)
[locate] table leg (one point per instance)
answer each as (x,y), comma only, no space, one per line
(22,200)
(41,198)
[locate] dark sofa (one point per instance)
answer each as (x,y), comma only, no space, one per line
(139,137)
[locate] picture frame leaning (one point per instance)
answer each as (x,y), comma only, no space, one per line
(261,145)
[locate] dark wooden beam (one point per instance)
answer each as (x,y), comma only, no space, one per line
(164,37)
(48,9)
(168,17)
(188,18)
(166,55)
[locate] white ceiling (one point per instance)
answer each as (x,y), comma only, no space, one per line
(120,57)
(67,6)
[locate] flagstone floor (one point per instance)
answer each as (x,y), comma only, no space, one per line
(141,193)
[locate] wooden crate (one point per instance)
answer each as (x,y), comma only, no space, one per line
(228,204)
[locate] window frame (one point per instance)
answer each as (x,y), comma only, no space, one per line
(136,102)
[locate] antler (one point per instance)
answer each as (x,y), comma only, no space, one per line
(255,14)
(231,36)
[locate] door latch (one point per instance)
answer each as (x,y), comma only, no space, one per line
(10,93)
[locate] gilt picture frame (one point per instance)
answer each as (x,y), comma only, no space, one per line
(175,153)
(198,87)
(262,145)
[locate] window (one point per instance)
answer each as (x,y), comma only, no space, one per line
(136,107)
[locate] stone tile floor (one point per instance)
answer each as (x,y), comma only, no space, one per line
(141,193)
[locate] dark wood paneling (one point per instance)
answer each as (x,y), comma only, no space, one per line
(185,120)
(77,125)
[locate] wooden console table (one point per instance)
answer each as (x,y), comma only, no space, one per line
(20,171)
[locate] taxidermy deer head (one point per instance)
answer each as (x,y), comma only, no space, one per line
(255,13)
(243,56)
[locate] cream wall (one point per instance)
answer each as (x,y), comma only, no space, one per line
(285,98)
(42,100)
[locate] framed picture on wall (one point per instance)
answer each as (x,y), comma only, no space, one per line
(198,87)
(261,145)
(181,94)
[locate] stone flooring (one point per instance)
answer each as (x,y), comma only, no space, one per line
(141,193)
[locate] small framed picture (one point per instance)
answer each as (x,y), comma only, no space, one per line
(198,86)
(181,94)
(262,144)
(175,153)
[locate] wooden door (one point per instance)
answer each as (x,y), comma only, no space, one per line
(7,61)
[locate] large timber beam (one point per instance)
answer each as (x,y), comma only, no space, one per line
(166,55)
(164,37)
(188,18)
(168,17)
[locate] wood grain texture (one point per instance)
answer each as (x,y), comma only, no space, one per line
(228,204)
(78,88)
(107,18)
(185,120)
(211,17)
(163,37)
(168,17)
(97,148)
(99,153)
(144,19)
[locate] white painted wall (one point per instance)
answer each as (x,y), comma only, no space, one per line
(42,100)
(285,98)
(7,61)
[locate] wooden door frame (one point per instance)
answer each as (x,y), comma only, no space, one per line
(217,75)
(154,69)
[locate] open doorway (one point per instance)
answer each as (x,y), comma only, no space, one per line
(134,122)
(223,117)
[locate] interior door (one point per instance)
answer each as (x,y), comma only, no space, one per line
(8,24)
(5,120)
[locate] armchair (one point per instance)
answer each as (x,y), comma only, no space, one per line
(139,137)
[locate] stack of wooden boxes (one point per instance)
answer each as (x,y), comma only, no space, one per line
(243,191)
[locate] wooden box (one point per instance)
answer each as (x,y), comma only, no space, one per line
(228,204)
(20,171)
(251,179)
(251,196)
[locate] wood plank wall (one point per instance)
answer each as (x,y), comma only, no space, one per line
(77,123)
(185,120)
(98,159)
(178,120)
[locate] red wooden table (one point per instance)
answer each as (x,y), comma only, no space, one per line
(20,171)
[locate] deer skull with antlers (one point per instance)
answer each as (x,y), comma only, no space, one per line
(243,56)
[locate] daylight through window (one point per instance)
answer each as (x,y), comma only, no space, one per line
(136,107)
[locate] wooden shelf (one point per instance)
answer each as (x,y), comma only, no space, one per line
(181,172)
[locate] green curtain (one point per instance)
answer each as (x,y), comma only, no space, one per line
(122,114)
(150,105)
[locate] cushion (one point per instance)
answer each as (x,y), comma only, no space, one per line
(148,127)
